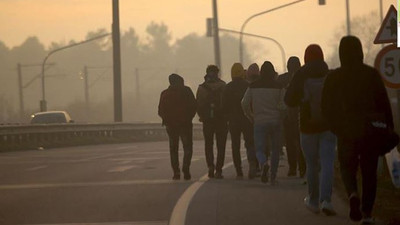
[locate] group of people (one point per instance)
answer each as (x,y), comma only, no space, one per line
(317,110)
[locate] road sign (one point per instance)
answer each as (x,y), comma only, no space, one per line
(387,62)
(388,31)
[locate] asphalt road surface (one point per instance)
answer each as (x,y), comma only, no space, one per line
(131,184)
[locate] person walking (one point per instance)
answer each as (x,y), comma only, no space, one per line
(352,93)
(260,105)
(291,125)
(237,122)
(177,108)
(317,141)
(209,95)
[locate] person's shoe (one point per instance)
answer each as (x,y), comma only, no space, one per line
(368,220)
(186,175)
(239,174)
(218,175)
(355,213)
(252,171)
(264,173)
(327,208)
(273,181)
(291,173)
(211,172)
(302,173)
(309,206)
(177,176)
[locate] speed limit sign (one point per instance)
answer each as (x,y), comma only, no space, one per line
(387,62)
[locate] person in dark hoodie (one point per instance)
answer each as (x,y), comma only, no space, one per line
(260,105)
(291,124)
(317,141)
(209,95)
(351,93)
(237,121)
(177,108)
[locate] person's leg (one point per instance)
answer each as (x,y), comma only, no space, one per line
(173,135)
(235,131)
(290,146)
(275,133)
(327,145)
(310,145)
(368,164)
(208,132)
(349,161)
(260,143)
(250,149)
(221,135)
(187,142)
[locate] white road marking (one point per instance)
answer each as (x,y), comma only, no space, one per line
(90,184)
(127,147)
(114,223)
(121,169)
(125,161)
(36,168)
(178,216)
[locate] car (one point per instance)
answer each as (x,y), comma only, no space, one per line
(51,117)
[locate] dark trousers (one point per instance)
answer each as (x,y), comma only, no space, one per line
(220,130)
(185,133)
(236,128)
(293,146)
(354,154)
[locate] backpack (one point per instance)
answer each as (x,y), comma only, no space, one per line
(212,109)
(312,96)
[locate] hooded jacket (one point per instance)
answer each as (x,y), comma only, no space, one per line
(353,91)
(233,94)
(314,67)
(211,84)
(260,102)
(177,104)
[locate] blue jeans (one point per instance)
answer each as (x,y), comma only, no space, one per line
(268,133)
(319,152)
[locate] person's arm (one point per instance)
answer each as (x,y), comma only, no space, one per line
(161,107)
(246,105)
(192,104)
(381,98)
(330,103)
(200,98)
(294,93)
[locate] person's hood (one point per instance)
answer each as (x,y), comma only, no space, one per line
(253,72)
(313,52)
(237,71)
(293,64)
(175,80)
(350,51)
(315,69)
(268,71)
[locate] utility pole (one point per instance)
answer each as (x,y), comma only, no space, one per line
(20,91)
(348,18)
(137,85)
(117,62)
(86,89)
(217,52)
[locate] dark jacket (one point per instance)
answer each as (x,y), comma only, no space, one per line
(211,84)
(353,92)
(232,98)
(177,105)
(295,95)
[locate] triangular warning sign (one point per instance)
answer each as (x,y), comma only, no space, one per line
(388,31)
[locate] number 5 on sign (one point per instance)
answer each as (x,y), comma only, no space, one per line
(387,62)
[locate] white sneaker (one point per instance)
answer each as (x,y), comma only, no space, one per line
(309,206)
(327,208)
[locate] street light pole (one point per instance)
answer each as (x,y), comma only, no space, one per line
(217,52)
(348,18)
(117,62)
(252,17)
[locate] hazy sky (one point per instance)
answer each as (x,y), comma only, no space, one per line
(294,27)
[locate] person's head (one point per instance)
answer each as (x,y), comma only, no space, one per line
(212,71)
(313,53)
(293,64)
(175,80)
(253,72)
(268,71)
(350,51)
(237,71)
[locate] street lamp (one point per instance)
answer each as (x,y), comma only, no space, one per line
(252,17)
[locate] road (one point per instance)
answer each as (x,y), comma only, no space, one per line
(131,184)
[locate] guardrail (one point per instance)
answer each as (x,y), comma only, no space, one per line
(24,137)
